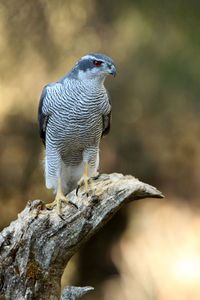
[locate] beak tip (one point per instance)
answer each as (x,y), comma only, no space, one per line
(114,74)
(113,71)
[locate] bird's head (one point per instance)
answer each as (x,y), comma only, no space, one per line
(94,66)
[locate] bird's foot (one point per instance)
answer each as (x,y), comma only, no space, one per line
(95,176)
(49,206)
(84,180)
(58,199)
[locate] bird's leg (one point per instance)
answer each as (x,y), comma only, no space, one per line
(84,179)
(59,197)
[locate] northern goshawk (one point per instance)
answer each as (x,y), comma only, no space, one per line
(74,113)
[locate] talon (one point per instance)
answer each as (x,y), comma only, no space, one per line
(61,216)
(74,204)
(82,181)
(49,208)
(95,177)
(77,189)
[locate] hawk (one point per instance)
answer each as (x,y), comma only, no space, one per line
(73,114)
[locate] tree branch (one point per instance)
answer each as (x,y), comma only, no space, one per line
(35,248)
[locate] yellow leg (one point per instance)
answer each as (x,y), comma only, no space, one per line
(59,197)
(84,179)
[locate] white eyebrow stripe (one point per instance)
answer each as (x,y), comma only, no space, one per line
(90,56)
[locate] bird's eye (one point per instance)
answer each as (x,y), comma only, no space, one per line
(97,63)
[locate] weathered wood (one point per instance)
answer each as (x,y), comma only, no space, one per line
(74,292)
(35,248)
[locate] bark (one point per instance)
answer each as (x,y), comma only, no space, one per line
(35,249)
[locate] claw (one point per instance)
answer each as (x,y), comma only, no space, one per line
(77,189)
(48,208)
(83,180)
(95,177)
(72,203)
(61,216)
(68,202)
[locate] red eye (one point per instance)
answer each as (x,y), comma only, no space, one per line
(97,63)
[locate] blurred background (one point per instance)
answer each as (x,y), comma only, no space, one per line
(151,248)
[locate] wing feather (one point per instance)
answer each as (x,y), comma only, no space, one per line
(106,123)
(42,118)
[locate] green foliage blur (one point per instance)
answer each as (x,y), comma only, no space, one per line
(155,97)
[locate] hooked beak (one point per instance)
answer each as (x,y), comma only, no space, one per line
(112,70)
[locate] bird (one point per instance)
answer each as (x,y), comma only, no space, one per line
(74,113)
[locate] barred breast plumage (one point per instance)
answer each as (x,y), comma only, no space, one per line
(76,119)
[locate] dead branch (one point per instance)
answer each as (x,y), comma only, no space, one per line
(35,249)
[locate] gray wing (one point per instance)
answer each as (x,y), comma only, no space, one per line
(106,123)
(42,118)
